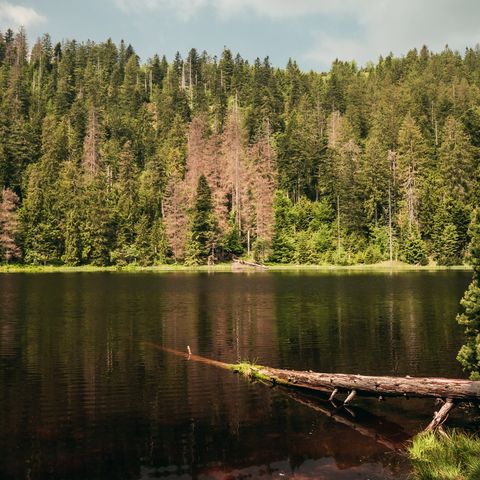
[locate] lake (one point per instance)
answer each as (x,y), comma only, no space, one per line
(86,392)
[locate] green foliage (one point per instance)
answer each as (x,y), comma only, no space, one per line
(283,246)
(448,248)
(193,252)
(260,250)
(341,257)
(91,142)
(251,371)
(439,457)
(73,247)
(204,227)
(414,250)
(158,245)
(232,243)
(150,241)
(469,354)
(373,254)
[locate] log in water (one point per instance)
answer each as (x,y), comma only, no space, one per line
(452,388)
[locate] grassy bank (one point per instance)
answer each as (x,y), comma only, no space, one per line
(455,456)
(228,267)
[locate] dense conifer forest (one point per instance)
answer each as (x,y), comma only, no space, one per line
(107,160)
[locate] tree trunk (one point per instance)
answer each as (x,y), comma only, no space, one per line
(455,389)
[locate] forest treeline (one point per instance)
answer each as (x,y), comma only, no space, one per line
(107,160)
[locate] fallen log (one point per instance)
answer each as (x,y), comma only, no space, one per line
(452,390)
(384,386)
(249,264)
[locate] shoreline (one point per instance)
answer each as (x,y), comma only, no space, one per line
(233,268)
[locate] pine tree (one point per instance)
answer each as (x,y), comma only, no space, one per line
(456,160)
(376,176)
(204,227)
(176,217)
(97,235)
(105,154)
(73,248)
(469,354)
(283,247)
(447,252)
(412,158)
(158,243)
(414,250)
(142,241)
(40,213)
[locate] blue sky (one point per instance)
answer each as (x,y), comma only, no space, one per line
(313,32)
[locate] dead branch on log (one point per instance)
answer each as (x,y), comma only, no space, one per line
(350,397)
(441,416)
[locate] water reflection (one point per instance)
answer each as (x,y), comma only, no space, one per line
(83,397)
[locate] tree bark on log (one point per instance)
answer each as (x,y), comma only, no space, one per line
(454,389)
(249,264)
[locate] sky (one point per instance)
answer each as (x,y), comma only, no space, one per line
(313,32)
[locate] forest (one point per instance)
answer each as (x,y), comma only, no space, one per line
(105,160)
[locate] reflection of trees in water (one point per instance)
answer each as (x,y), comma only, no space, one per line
(371,324)
(88,400)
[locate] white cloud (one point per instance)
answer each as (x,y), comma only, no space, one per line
(327,48)
(274,9)
(386,26)
(183,8)
(14,16)
(364,29)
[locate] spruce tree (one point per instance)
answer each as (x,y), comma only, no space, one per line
(204,227)
(336,138)
(158,243)
(448,247)
(414,250)
(469,354)
(412,161)
(283,247)
(456,160)
(73,248)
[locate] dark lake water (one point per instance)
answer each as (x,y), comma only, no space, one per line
(86,394)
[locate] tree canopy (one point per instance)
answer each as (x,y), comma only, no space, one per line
(102,156)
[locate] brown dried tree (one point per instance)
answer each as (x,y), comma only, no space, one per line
(234,161)
(176,216)
(91,142)
(263,180)
(9,225)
